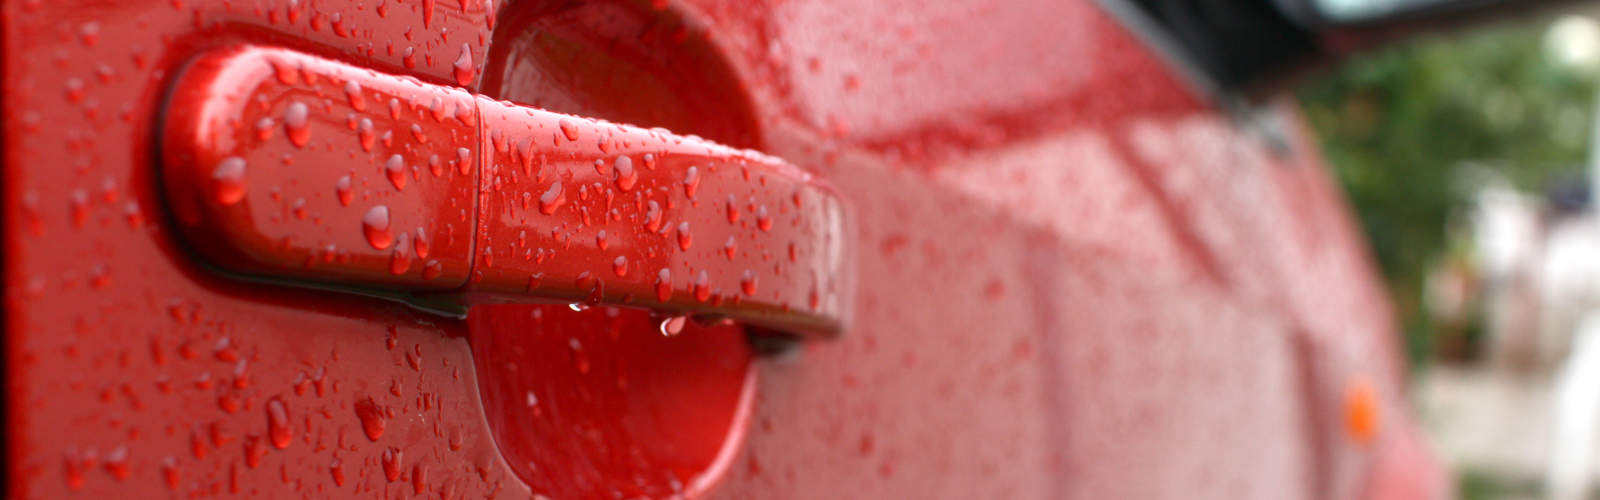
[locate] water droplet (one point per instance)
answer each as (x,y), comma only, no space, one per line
(352,91)
(78,205)
(227,181)
(626,176)
(673,325)
(337,20)
(652,217)
(600,239)
(74,466)
(420,244)
(170,472)
(684,238)
(649,161)
(729,248)
(595,285)
(456,440)
(702,286)
(255,449)
(365,134)
(620,265)
(436,108)
(552,199)
(230,403)
(117,463)
(278,426)
(463,161)
(90,33)
(372,419)
(264,128)
(419,476)
(763,220)
(431,269)
(664,285)
(375,225)
(395,169)
(75,90)
(435,166)
(733,209)
(342,188)
(400,261)
(463,67)
(134,216)
(391,464)
(105,73)
(296,124)
(748,282)
(568,129)
(336,469)
(501,143)
(287,75)
(691,182)
(427,13)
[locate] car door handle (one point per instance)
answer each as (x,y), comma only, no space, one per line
(288,168)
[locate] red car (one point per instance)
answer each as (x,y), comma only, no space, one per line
(697,248)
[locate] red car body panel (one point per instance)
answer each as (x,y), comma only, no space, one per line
(1075,277)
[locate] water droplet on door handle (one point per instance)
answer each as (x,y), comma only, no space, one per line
(493,201)
(319,202)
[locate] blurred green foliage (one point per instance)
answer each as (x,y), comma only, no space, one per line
(1397,124)
(1474,484)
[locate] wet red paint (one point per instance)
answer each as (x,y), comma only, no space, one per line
(352,199)
(531,154)
(599,400)
(1075,278)
(483,221)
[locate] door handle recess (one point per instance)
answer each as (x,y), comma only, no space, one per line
(285,167)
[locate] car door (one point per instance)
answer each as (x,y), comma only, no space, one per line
(935,250)
(1080,275)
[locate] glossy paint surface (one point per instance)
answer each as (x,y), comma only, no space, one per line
(1075,278)
(616,410)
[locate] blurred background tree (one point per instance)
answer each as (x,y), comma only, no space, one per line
(1398,124)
